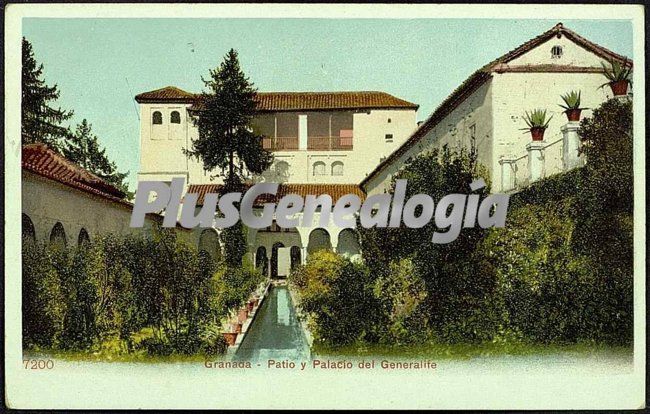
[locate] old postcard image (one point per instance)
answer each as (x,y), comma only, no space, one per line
(324,206)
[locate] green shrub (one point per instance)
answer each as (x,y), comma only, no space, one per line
(43,301)
(337,294)
(551,293)
(401,292)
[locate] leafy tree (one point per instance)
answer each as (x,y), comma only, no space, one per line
(82,147)
(40,121)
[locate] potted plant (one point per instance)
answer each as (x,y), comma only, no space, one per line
(618,75)
(571,105)
(230,337)
(537,123)
(250,305)
(236,326)
(242,315)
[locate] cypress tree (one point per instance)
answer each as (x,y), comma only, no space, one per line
(41,122)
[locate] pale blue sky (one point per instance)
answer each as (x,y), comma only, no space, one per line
(421,61)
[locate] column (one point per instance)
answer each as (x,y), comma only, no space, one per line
(302,132)
(507,174)
(535,160)
(571,146)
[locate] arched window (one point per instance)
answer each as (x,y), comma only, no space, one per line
(282,170)
(295,256)
(556,52)
(84,239)
(57,236)
(175,117)
(319,239)
(29,232)
(337,168)
(319,168)
(209,243)
(156,118)
(348,244)
(261,261)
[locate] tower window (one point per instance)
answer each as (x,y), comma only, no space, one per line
(390,120)
(556,52)
(389,137)
(156,118)
(175,117)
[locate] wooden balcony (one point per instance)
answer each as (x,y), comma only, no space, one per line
(281,143)
(329,143)
(313,143)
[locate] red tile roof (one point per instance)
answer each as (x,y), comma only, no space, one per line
(42,160)
(166,94)
(336,191)
(290,101)
(499,65)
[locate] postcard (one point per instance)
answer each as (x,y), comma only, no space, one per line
(324,206)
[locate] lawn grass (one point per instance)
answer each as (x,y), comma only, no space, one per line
(468,351)
(112,349)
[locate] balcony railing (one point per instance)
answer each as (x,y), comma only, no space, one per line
(313,143)
(329,143)
(281,143)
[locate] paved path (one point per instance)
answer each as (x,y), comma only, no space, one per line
(276,332)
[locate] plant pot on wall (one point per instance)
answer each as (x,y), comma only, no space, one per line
(230,337)
(250,305)
(537,133)
(242,315)
(573,115)
(619,88)
(236,327)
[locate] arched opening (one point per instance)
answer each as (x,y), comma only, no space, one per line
(348,244)
(156,118)
(28,230)
(274,259)
(295,257)
(175,117)
(282,171)
(337,168)
(319,239)
(209,243)
(318,168)
(57,236)
(84,239)
(261,261)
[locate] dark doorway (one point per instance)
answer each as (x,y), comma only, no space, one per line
(274,259)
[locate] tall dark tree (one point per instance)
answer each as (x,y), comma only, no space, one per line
(41,122)
(82,147)
(226,141)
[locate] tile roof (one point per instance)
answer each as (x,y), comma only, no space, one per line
(483,74)
(40,159)
(166,94)
(290,101)
(336,191)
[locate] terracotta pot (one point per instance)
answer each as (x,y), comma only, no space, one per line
(537,133)
(230,337)
(250,305)
(242,315)
(573,114)
(619,88)
(236,327)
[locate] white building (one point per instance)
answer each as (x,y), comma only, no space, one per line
(486,112)
(323,143)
